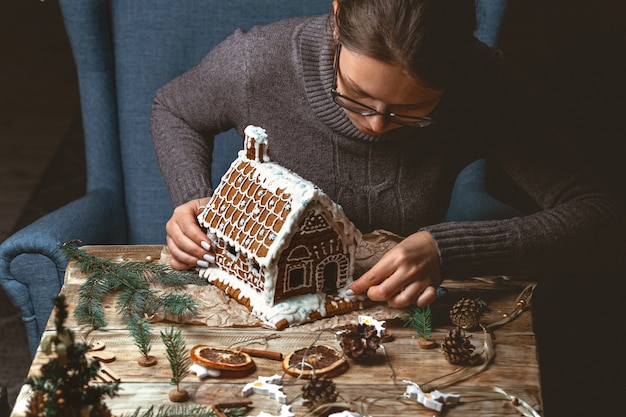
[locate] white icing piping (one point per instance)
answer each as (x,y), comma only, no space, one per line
(257,137)
(303,194)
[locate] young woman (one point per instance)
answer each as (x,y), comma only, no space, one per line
(381,104)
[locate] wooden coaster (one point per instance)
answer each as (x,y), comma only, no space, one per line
(147,361)
(178,396)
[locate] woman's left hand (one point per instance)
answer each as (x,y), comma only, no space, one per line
(406,275)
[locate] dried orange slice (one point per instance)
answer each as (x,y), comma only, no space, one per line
(230,362)
(315,360)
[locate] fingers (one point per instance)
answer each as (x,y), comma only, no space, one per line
(179,258)
(393,273)
(188,245)
(417,292)
(427,297)
(374,276)
(406,275)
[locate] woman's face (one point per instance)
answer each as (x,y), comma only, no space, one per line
(384,87)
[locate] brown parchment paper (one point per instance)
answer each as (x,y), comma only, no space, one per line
(218,309)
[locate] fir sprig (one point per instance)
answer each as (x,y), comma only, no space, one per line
(132,279)
(177,354)
(184,411)
(141,331)
(134,302)
(176,304)
(419,318)
(91,311)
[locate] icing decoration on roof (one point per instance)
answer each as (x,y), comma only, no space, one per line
(291,195)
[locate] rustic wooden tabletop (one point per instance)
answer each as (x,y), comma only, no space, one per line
(509,384)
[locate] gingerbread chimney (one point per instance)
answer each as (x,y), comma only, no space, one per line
(255,143)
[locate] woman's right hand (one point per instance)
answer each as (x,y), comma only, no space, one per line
(188,245)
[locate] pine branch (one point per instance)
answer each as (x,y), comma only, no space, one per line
(132,280)
(177,305)
(162,274)
(177,354)
(97,285)
(133,302)
(141,331)
(86,261)
(420,318)
(91,295)
(90,311)
(184,411)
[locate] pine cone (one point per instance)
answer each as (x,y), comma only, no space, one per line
(465,313)
(359,341)
(318,391)
(457,348)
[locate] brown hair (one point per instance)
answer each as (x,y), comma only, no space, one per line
(428,38)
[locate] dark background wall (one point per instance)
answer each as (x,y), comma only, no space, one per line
(571,54)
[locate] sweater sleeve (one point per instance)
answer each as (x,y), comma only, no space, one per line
(577,226)
(190,110)
(575,237)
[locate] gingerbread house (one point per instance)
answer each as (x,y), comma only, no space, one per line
(283,248)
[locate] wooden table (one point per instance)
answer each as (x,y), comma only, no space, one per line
(375,388)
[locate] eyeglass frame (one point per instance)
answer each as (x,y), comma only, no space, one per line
(420,121)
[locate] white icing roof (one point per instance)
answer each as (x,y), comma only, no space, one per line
(258,205)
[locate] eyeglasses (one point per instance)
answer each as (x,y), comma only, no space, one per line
(365,110)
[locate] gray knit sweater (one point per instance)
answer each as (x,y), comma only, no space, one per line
(279,77)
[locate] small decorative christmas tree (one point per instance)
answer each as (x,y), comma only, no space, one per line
(420,318)
(179,362)
(140,329)
(64,388)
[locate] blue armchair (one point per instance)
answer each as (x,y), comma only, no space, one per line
(124,51)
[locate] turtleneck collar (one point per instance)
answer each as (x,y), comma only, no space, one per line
(317,54)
